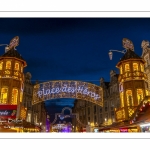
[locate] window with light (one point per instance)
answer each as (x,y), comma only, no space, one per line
(4,95)
(21,95)
(14,96)
(8,64)
(1,65)
(122,101)
(21,68)
(135,67)
(139,95)
(129,98)
(147,93)
(127,68)
(142,67)
(16,66)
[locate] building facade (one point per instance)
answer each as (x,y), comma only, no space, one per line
(36,114)
(94,115)
(133,89)
(27,96)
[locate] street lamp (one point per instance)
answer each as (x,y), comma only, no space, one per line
(111,54)
(6,48)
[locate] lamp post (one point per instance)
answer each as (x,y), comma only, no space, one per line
(6,47)
(111,52)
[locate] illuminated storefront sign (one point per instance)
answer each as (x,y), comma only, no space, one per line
(124,130)
(67,89)
(8,111)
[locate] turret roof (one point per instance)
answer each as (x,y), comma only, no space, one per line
(13,53)
(130,55)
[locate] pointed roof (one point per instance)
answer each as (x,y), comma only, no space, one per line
(13,53)
(130,55)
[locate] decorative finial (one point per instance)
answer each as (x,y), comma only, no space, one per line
(144,44)
(127,44)
(14,42)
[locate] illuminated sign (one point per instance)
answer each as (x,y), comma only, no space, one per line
(8,111)
(123,130)
(68,89)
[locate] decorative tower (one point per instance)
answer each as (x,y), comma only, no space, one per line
(11,76)
(132,82)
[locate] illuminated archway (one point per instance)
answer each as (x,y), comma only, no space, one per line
(67,89)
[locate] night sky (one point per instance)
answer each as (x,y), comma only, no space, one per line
(72,48)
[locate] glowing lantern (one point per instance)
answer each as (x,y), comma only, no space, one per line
(110,55)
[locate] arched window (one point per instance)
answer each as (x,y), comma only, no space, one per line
(14,96)
(135,67)
(127,68)
(8,64)
(139,95)
(4,95)
(129,98)
(16,66)
(147,93)
(1,65)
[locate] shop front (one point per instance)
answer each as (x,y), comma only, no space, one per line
(109,130)
(142,117)
(7,118)
(129,129)
(121,127)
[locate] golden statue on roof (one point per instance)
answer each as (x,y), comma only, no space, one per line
(127,44)
(14,42)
